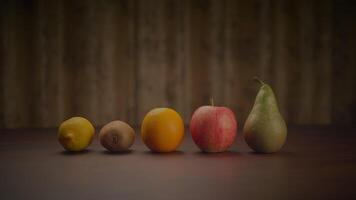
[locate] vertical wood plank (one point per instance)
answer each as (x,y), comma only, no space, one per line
(41,79)
(17,43)
(116,62)
(285,59)
(242,54)
(53,85)
(231,89)
(280,54)
(3,7)
(35,63)
(186,74)
(321,113)
(307,56)
(186,56)
(266,40)
(8,68)
(152,78)
(29,65)
(39,62)
(174,55)
(344,62)
(48,62)
(199,51)
(218,57)
(80,59)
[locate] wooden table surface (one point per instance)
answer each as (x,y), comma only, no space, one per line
(315,163)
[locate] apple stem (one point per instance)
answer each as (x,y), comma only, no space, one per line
(211,101)
(258,80)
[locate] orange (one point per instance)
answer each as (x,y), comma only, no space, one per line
(162,130)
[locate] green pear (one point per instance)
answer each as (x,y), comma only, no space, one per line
(265,130)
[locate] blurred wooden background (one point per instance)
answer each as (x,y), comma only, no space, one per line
(109,59)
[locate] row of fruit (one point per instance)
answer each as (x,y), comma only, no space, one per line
(212,128)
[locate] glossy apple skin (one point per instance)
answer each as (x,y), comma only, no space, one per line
(213,128)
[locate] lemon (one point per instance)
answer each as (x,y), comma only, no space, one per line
(75,134)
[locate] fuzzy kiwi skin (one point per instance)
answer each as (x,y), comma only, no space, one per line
(117,136)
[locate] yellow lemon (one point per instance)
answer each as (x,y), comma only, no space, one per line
(162,130)
(75,134)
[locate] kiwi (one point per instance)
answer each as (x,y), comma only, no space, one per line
(117,136)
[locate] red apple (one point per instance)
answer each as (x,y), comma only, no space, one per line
(213,128)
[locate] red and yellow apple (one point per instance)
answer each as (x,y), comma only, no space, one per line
(213,128)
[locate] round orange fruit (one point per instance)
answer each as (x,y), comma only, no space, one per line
(162,130)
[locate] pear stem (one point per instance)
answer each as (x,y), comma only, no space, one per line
(211,101)
(258,80)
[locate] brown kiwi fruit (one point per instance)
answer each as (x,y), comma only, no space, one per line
(117,136)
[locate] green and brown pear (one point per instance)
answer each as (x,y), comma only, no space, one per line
(265,130)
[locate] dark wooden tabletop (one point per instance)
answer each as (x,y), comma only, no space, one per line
(315,163)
